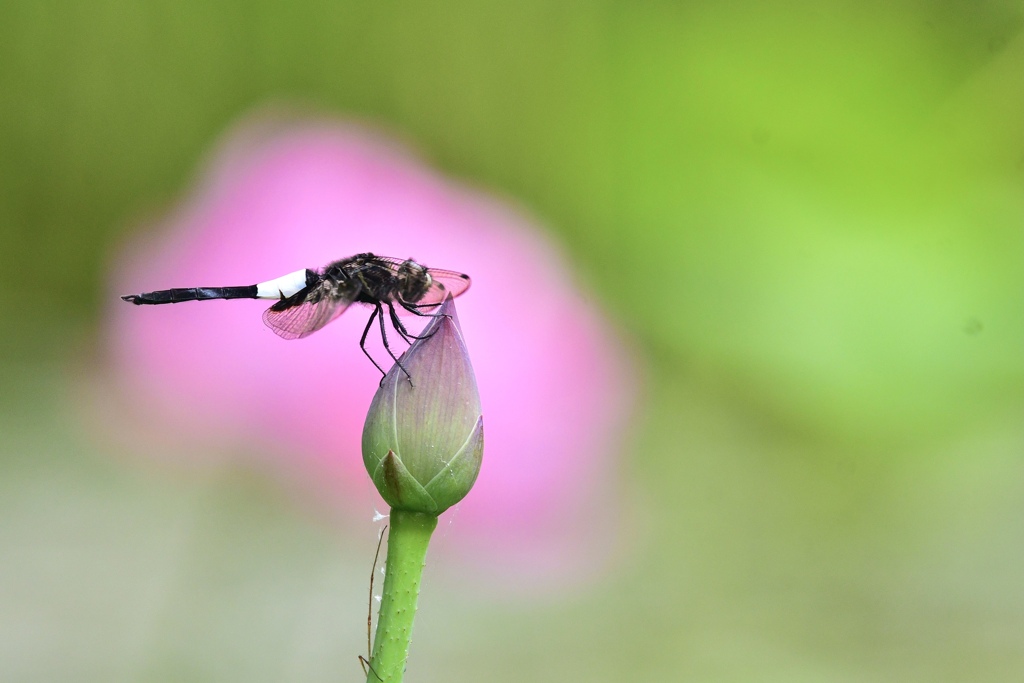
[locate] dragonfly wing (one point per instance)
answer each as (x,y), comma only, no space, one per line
(443,283)
(301,319)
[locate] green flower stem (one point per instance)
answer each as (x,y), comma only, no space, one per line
(407,555)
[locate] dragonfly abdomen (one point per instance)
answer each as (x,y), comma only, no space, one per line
(174,296)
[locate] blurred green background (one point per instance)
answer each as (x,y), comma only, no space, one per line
(807,217)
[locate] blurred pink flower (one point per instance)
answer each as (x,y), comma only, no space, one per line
(554,382)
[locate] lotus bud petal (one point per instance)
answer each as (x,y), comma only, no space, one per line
(423,437)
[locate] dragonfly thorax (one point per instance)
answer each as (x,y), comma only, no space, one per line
(378,280)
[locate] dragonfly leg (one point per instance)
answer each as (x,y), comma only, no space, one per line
(400,326)
(384,337)
(415,309)
(362,340)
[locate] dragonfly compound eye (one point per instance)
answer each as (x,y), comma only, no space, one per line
(414,281)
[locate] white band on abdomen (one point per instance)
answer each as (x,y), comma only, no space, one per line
(286,285)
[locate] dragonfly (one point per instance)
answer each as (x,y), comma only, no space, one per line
(306,300)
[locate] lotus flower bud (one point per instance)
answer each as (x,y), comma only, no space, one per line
(423,439)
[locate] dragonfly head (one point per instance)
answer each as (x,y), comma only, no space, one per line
(413,281)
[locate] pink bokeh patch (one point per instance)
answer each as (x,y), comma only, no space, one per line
(554,381)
